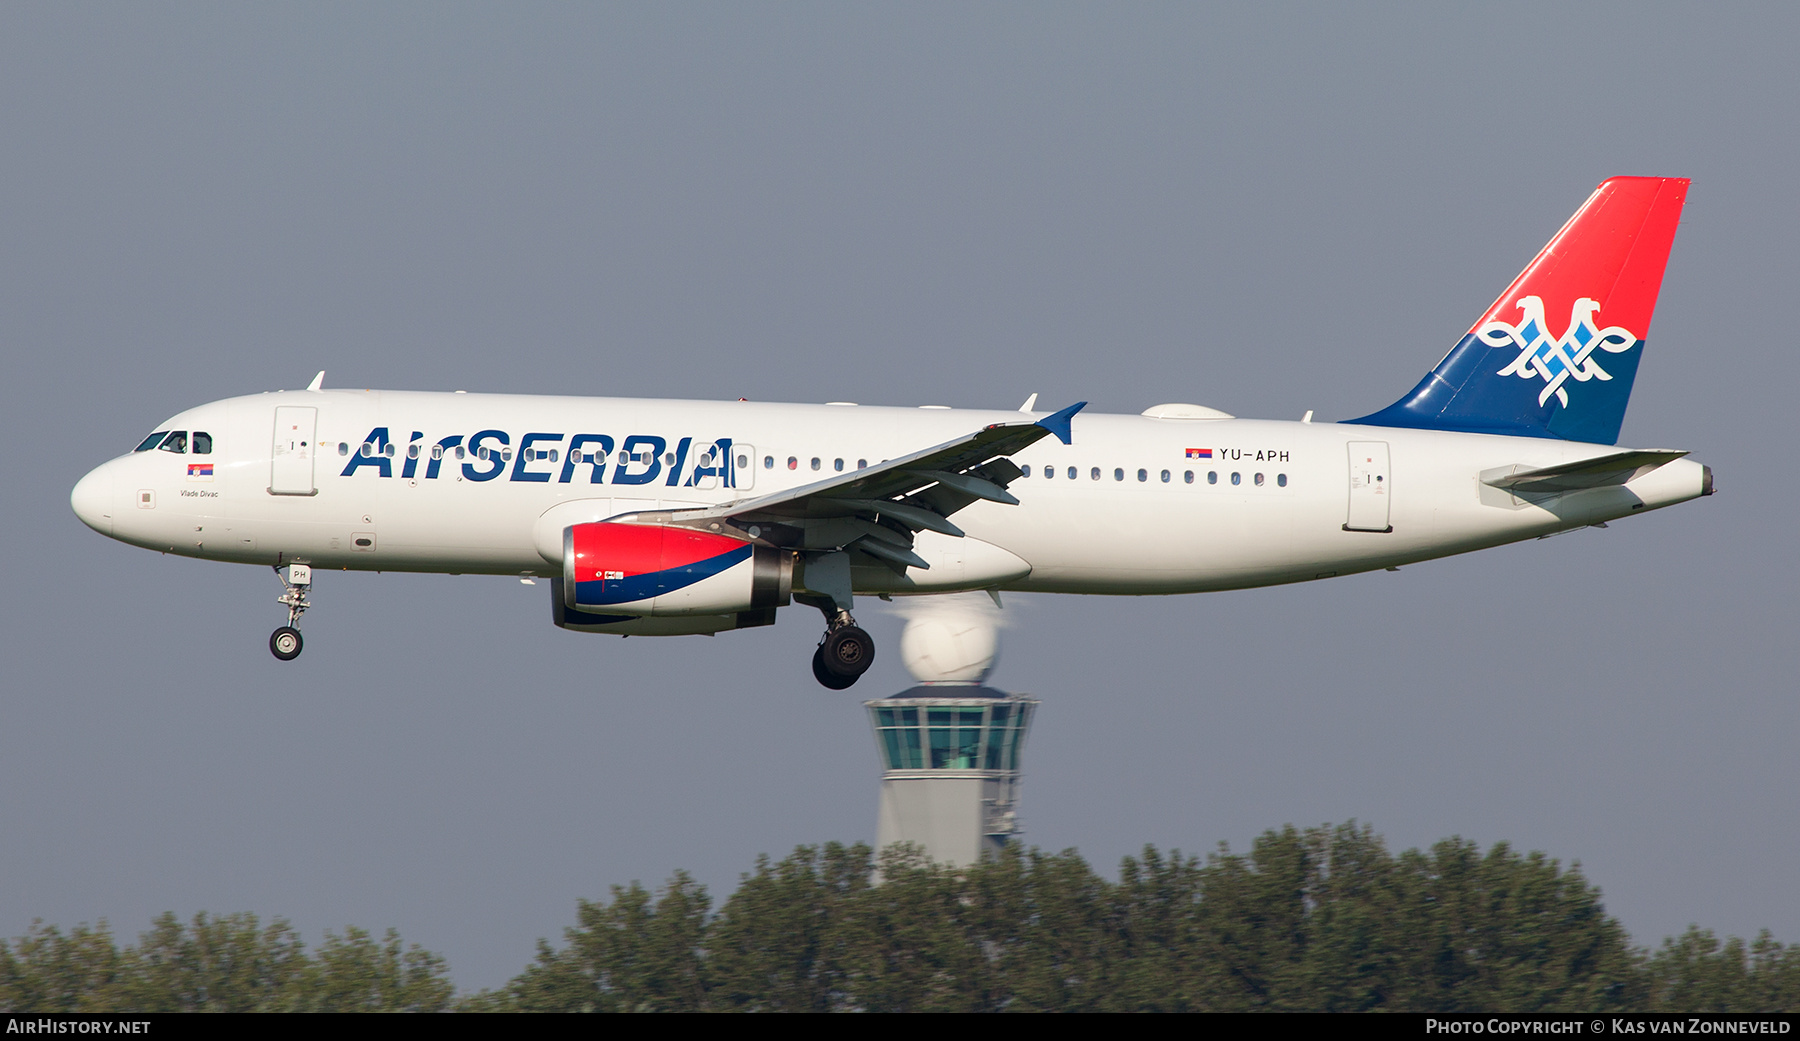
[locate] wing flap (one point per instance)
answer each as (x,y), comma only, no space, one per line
(969,484)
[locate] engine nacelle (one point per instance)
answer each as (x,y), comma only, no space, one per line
(652,570)
(574,620)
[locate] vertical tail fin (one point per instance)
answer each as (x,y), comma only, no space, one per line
(1556,354)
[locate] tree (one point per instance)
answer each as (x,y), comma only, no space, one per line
(47,971)
(231,963)
(226,964)
(1696,973)
(353,973)
(777,945)
(625,955)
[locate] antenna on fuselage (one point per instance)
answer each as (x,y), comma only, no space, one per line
(318,382)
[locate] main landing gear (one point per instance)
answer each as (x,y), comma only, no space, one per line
(845,652)
(286,643)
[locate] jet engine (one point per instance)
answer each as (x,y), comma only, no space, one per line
(654,570)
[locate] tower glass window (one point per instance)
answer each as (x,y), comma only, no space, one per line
(955,736)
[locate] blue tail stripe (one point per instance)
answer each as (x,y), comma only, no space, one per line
(1468,392)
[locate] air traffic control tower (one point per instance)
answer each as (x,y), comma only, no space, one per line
(950,746)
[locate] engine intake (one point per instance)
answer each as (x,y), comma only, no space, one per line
(661,571)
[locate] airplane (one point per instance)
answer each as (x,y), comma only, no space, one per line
(666,518)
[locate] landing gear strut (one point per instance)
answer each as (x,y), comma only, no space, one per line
(844,654)
(286,643)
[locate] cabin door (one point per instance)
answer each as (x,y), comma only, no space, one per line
(1371,487)
(291,471)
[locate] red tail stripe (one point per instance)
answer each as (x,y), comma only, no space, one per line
(1612,251)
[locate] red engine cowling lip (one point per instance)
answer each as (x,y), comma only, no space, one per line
(647,569)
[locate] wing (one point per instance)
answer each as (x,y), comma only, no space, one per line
(878,510)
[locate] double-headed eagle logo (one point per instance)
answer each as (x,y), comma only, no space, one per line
(1557,361)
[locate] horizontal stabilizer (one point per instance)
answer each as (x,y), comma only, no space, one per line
(1618,468)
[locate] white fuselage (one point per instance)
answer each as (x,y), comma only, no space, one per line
(1270,504)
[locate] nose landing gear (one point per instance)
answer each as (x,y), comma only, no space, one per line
(286,643)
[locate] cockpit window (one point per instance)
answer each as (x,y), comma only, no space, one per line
(202,443)
(175,442)
(152,441)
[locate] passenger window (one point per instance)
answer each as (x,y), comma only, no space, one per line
(1212,477)
(343,448)
(768,462)
(388,451)
(202,443)
(1118,473)
(815,462)
(1025,471)
(793,463)
(1281,480)
(437,451)
(1096,474)
(553,455)
(1143,475)
(838,465)
(412,451)
(462,453)
(367,450)
(1071,473)
(506,455)
(1049,472)
(1259,480)
(152,441)
(175,442)
(480,453)
(862,464)
(1237,478)
(1165,477)
(1188,476)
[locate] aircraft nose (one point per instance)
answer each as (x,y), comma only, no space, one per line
(93,499)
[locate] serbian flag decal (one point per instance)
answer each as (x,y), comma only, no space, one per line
(1199,453)
(200,471)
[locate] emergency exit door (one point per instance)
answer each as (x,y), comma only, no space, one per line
(1371,489)
(295,448)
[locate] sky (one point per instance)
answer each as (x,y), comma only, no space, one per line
(1261,208)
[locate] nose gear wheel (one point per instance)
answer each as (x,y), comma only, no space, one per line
(285,643)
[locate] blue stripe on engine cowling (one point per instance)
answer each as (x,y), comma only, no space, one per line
(572,617)
(656,583)
(1467,393)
